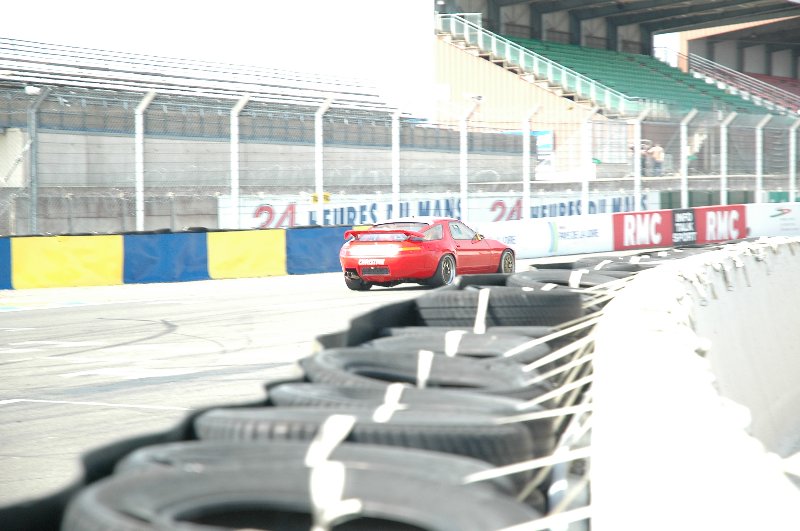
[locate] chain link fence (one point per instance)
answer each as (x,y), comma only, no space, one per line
(72,161)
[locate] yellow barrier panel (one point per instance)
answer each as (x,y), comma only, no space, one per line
(245,254)
(65,261)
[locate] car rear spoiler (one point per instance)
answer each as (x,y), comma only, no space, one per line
(408,233)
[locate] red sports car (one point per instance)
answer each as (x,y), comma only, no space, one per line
(424,250)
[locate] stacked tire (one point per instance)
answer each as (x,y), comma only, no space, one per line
(429,400)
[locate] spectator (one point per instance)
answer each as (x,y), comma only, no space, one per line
(657,154)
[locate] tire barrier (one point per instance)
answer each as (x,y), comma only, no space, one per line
(464,408)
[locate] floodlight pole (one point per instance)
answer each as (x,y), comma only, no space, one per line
(139,157)
(318,158)
(723,158)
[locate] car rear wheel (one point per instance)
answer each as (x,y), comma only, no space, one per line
(445,272)
(356,284)
(507,262)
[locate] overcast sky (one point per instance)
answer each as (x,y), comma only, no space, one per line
(387,42)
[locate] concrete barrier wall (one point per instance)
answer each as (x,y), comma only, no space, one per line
(105,260)
(696,401)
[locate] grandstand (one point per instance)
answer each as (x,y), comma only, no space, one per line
(641,77)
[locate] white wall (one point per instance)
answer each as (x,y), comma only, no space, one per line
(696,397)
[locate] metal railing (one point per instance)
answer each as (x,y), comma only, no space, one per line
(759,92)
(49,64)
(539,66)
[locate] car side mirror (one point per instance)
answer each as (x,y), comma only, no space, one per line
(478,237)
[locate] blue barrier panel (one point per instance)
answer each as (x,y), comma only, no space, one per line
(5,263)
(177,257)
(314,249)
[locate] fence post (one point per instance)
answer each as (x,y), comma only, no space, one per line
(318,159)
(723,158)
(793,160)
(33,112)
(685,157)
(588,163)
(235,111)
(139,157)
(396,163)
(463,162)
(526,163)
(760,156)
(637,159)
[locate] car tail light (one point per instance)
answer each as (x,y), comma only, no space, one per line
(407,247)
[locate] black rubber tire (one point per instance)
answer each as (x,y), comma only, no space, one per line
(605,264)
(529,331)
(488,345)
(308,394)
(279,498)
(445,272)
(364,367)
(356,284)
(557,276)
(196,455)
(507,262)
(507,307)
(469,434)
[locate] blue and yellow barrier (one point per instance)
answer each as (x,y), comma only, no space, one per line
(105,260)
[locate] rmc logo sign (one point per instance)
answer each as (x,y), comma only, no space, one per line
(637,230)
(720,223)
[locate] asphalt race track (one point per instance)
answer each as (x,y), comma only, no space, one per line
(82,367)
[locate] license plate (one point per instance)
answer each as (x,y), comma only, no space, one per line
(371,261)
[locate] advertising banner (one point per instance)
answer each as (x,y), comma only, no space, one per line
(640,230)
(720,223)
(773,219)
(298,211)
(684,231)
(534,238)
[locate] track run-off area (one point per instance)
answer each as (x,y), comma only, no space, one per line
(83,367)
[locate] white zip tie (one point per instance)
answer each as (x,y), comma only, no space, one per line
(391,403)
(558,391)
(559,353)
(562,368)
(326,486)
(480,314)
(523,347)
(602,264)
(549,286)
(424,364)
(331,433)
(452,340)
(575,277)
(544,414)
(525,466)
